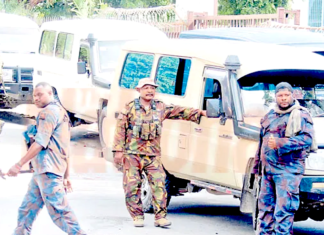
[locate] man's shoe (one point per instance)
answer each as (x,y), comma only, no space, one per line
(138,222)
(162,223)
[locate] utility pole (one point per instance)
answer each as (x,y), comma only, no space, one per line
(215,7)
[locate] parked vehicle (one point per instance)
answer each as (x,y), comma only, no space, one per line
(289,37)
(217,154)
(79,57)
(18,44)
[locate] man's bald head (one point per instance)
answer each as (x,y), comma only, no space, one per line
(43,94)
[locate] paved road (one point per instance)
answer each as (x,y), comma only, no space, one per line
(98,197)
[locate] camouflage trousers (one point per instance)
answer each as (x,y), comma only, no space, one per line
(133,166)
(278,202)
(47,189)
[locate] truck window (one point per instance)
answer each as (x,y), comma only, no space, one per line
(258,90)
(84,56)
(172,75)
(136,67)
(64,46)
(47,43)
(212,90)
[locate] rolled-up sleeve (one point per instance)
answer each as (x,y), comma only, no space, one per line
(182,113)
(47,122)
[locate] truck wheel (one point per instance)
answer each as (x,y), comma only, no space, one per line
(146,193)
(102,127)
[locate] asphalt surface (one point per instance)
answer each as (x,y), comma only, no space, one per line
(98,198)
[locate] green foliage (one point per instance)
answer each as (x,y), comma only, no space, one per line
(248,7)
(137,3)
(16,7)
(57,8)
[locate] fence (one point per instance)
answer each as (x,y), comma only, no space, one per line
(166,19)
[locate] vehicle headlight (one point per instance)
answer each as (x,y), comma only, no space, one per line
(315,161)
(7,75)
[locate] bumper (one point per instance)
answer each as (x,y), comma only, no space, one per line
(18,94)
(312,188)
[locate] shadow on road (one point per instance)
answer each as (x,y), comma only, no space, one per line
(231,217)
(16,118)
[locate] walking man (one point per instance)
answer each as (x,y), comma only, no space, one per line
(137,149)
(287,136)
(49,155)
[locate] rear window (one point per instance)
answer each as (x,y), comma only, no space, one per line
(47,43)
(172,75)
(136,67)
(64,46)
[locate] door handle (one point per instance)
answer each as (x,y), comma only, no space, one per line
(198,129)
(226,136)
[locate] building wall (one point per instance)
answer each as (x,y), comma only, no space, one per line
(303,6)
(315,15)
(183,6)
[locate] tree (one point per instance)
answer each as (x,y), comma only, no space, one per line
(248,7)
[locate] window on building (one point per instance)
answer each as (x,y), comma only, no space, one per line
(315,18)
(136,67)
(172,75)
(47,43)
(64,46)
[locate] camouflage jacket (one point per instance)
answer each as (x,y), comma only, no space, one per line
(131,140)
(289,157)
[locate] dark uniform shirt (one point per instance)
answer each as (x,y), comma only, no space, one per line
(53,134)
(289,157)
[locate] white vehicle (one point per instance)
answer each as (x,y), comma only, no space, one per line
(18,44)
(78,58)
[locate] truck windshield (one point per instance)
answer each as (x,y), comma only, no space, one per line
(258,91)
(18,40)
(109,52)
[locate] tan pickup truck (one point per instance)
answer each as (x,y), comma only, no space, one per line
(235,82)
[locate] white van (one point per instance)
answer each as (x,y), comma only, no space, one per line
(18,44)
(217,154)
(78,58)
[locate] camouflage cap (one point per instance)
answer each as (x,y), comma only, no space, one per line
(146,81)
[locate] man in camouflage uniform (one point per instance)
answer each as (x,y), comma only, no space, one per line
(286,137)
(137,148)
(49,144)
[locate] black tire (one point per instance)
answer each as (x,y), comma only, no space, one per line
(146,193)
(103,115)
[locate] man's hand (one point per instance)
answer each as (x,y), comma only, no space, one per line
(14,170)
(67,185)
(272,142)
(203,113)
(118,160)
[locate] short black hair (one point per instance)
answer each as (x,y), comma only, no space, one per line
(43,84)
(284,85)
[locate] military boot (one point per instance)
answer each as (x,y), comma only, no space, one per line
(138,222)
(163,222)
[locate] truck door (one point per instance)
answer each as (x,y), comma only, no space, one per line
(212,143)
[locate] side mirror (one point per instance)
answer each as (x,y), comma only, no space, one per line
(82,67)
(214,108)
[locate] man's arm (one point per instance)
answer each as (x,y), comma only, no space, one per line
(120,132)
(301,141)
(45,128)
(67,172)
(182,113)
